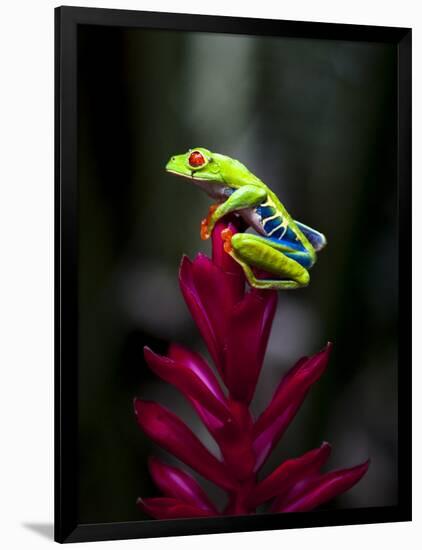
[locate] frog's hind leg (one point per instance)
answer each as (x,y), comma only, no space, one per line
(276,284)
(252,250)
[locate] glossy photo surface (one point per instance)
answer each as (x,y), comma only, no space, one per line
(197,395)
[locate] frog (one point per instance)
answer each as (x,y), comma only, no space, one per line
(283,248)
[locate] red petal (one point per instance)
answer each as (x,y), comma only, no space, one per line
(186,379)
(235,441)
(291,494)
(212,423)
(178,484)
(199,366)
(170,508)
(248,333)
(198,311)
(216,295)
(209,295)
(290,472)
(293,387)
(172,434)
(325,488)
(266,441)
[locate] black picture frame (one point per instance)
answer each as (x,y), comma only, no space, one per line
(67,20)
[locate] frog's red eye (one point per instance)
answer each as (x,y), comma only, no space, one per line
(196,159)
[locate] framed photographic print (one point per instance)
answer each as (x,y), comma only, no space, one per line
(233,286)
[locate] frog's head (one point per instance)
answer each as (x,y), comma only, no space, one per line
(199,165)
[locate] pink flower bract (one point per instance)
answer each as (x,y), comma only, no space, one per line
(235,324)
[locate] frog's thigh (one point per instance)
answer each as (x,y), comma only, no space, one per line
(252,250)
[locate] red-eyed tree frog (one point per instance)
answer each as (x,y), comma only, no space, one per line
(283,247)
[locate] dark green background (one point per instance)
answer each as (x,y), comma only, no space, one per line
(316,121)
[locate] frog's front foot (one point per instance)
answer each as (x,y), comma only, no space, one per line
(207,224)
(205,234)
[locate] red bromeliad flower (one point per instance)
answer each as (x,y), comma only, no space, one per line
(235,326)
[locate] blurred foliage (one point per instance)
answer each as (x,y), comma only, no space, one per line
(316,121)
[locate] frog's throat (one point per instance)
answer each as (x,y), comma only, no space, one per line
(213,188)
(187,176)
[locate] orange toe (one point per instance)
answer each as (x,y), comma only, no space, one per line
(227,235)
(204,230)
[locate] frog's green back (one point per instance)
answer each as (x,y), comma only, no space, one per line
(235,173)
